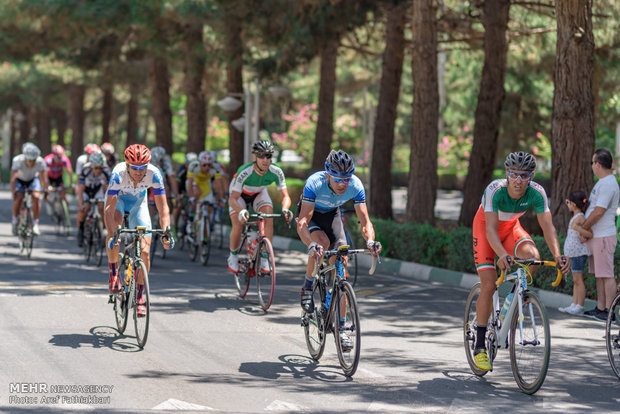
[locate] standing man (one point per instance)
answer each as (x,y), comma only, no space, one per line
(601,219)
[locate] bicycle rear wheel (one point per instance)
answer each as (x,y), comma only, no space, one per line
(314,325)
(530,348)
(469,329)
(205,242)
(98,242)
(265,278)
(142,322)
(242,279)
(352,260)
(346,308)
(612,335)
(121,302)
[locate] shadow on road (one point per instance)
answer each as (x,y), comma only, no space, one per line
(98,337)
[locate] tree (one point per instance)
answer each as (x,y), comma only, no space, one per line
(572,129)
(194,73)
(423,159)
(488,107)
(160,85)
(234,85)
(380,200)
(77,116)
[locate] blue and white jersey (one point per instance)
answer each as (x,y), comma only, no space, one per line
(122,186)
(318,192)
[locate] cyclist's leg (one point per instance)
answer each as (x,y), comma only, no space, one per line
(35,187)
(263,203)
(18,198)
(140,216)
(522,245)
(114,282)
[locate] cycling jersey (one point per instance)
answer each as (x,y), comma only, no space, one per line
(202,179)
(54,167)
(318,192)
(25,173)
(497,199)
(92,182)
(79,163)
(248,182)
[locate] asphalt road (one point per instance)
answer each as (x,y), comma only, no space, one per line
(209,350)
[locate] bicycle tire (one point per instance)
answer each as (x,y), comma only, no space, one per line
(88,239)
(350,359)
(242,279)
(205,242)
(141,323)
(121,302)
(29,238)
(352,259)
(314,325)
(469,329)
(265,281)
(612,335)
(66,226)
(535,325)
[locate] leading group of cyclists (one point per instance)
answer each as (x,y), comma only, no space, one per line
(125,188)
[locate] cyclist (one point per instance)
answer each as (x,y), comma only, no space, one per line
(203,181)
(249,188)
(92,185)
(162,161)
(28,174)
(110,156)
(56,163)
(319,222)
(83,159)
(181,174)
(126,193)
(497,231)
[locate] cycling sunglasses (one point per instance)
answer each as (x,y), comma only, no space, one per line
(137,167)
(264,155)
(341,180)
(514,176)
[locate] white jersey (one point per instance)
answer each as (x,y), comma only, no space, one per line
(25,173)
(79,163)
(122,186)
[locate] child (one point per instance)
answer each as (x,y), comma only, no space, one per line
(577,251)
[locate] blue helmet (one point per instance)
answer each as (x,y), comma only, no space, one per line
(339,164)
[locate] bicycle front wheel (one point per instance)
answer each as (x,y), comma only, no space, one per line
(530,346)
(612,335)
(352,260)
(121,302)
(205,242)
(314,325)
(141,322)
(265,273)
(347,329)
(469,329)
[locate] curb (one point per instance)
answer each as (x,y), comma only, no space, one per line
(420,272)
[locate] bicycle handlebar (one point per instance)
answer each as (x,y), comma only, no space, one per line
(140,230)
(345,251)
(534,262)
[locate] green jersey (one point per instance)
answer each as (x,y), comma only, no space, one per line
(497,199)
(247,181)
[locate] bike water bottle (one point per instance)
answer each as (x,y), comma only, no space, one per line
(507,303)
(128,274)
(251,242)
(328,297)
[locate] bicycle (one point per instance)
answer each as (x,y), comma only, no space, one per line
(94,241)
(130,265)
(25,224)
(350,242)
(612,335)
(198,240)
(253,249)
(520,325)
(58,210)
(217,227)
(341,319)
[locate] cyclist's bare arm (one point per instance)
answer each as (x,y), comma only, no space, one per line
(233,201)
(551,237)
(162,209)
(492,222)
(110,208)
(13,181)
(80,195)
(43,179)
(174,186)
(368,231)
(305,215)
(70,172)
(286,199)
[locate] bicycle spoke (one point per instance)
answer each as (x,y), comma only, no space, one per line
(612,335)
(347,332)
(265,277)
(141,321)
(314,326)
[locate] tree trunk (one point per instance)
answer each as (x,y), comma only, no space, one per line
(489,107)
(380,197)
(133,107)
(14,144)
(422,189)
(43,136)
(106,113)
(78,116)
(572,126)
(327,90)
(61,121)
(234,85)
(25,126)
(194,72)
(160,85)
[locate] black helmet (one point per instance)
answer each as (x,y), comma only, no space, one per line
(339,164)
(262,146)
(520,161)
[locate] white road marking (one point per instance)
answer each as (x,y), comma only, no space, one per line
(173,404)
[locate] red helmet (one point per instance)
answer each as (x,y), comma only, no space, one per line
(58,151)
(107,148)
(137,154)
(90,148)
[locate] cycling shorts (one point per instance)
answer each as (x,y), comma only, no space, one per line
(57,182)
(32,185)
(256,201)
(511,234)
(330,223)
(138,212)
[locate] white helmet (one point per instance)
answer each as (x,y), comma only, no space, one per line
(96,159)
(157,154)
(30,151)
(205,157)
(190,157)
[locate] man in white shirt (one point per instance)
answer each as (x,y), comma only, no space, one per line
(601,219)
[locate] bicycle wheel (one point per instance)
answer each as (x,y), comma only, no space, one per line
(612,335)
(29,238)
(66,225)
(469,329)
(205,242)
(352,260)
(154,242)
(242,279)
(530,347)
(346,308)
(193,245)
(120,299)
(314,325)
(142,322)
(265,278)
(98,243)
(88,240)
